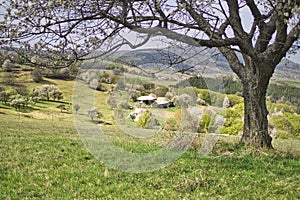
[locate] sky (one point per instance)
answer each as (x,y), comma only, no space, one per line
(294,58)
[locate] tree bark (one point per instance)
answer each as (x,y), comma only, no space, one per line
(255,83)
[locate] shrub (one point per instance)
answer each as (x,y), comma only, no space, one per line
(64,73)
(19,102)
(47,92)
(144,120)
(7,66)
(171,124)
(288,122)
(282,134)
(95,84)
(22,90)
(232,127)
(37,75)
(161,91)
(234,123)
(204,123)
(184,101)
(149,86)
(76,108)
(234,99)
(93,113)
(4,97)
(285,107)
(62,107)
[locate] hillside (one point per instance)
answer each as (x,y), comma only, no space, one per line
(205,61)
(41,148)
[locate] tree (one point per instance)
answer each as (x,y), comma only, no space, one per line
(7,66)
(37,75)
(62,107)
(4,97)
(48,91)
(76,108)
(95,84)
(93,113)
(19,102)
(252,52)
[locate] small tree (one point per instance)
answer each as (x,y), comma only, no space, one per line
(37,75)
(76,108)
(4,97)
(55,93)
(7,66)
(21,90)
(19,102)
(48,91)
(144,120)
(64,73)
(94,114)
(95,84)
(62,107)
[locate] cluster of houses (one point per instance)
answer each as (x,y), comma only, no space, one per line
(151,100)
(159,102)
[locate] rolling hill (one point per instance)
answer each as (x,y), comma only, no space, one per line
(197,60)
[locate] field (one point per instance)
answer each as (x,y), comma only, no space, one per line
(48,161)
(43,157)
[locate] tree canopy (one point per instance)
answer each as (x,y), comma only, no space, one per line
(83,26)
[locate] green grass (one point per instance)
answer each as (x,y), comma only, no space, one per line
(45,159)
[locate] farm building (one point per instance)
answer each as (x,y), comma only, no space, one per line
(148,100)
(163,102)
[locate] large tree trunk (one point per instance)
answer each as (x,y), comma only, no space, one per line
(255,83)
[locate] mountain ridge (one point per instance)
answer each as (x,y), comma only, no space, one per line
(208,62)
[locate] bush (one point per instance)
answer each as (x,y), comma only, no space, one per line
(19,102)
(287,107)
(184,101)
(7,66)
(171,124)
(234,123)
(210,97)
(62,107)
(288,122)
(47,92)
(204,124)
(234,99)
(95,84)
(204,94)
(232,127)
(281,134)
(64,73)
(22,90)
(37,75)
(161,91)
(144,120)
(76,108)
(4,97)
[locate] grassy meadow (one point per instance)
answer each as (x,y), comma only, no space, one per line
(43,157)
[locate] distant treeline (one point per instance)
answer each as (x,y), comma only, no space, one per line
(227,85)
